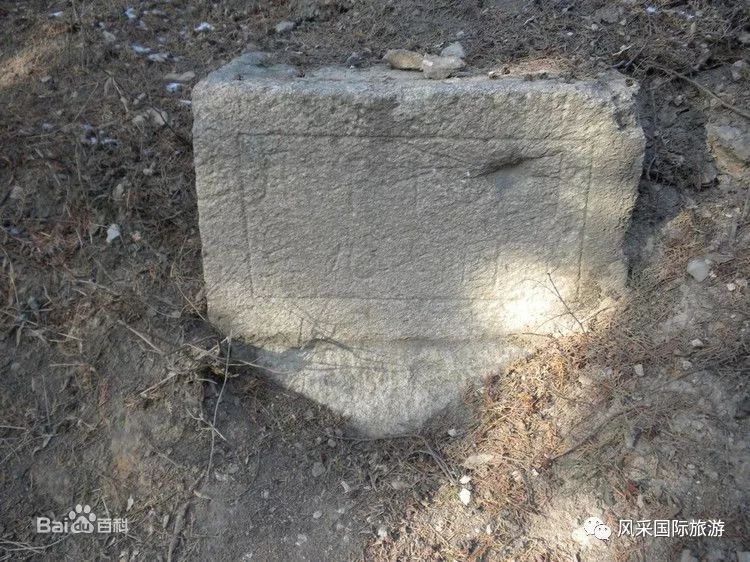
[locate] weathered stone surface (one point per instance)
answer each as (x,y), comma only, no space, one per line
(403,59)
(439,68)
(455,49)
(381,237)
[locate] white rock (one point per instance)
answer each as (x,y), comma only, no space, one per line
(16,192)
(699,268)
(140,49)
(113,233)
(173,87)
(454,50)
(465,496)
(318,514)
(439,68)
(158,57)
(318,469)
(465,479)
(696,343)
(109,37)
(158,118)
(731,287)
(739,70)
(180,77)
(382,532)
(638,370)
(131,14)
(284,26)
(204,26)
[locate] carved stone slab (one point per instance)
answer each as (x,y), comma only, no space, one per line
(380,237)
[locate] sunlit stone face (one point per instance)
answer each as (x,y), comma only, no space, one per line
(380,236)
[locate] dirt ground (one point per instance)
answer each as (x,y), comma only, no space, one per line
(117,393)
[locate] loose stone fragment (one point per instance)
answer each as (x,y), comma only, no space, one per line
(402,59)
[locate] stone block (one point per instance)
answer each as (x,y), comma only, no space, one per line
(383,239)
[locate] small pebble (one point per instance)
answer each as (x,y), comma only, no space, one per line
(180,77)
(284,26)
(699,268)
(113,233)
(158,57)
(455,49)
(739,70)
(355,59)
(465,496)
(440,68)
(140,49)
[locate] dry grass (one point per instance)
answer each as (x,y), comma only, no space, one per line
(563,413)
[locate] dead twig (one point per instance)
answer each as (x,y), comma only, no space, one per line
(706,91)
(592,434)
(565,304)
(144,338)
(144,393)
(214,431)
(179,525)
